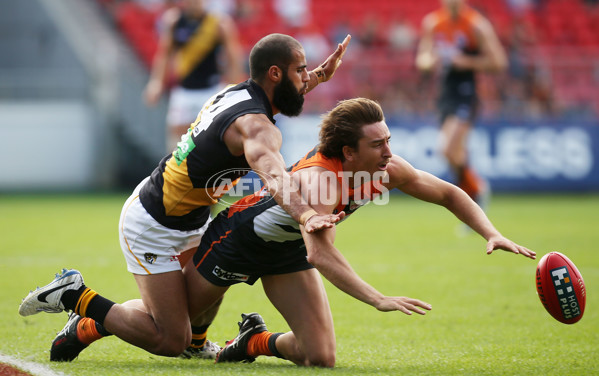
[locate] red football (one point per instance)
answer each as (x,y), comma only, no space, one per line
(561,288)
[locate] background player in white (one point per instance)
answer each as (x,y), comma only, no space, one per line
(201,51)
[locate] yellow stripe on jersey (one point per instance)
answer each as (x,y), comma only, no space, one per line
(179,195)
(202,42)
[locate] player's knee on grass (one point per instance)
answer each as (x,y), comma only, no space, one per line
(320,356)
(169,345)
(323,359)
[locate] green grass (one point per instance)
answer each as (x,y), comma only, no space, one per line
(486,317)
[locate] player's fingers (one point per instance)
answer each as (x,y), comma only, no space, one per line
(422,304)
(409,308)
(317,226)
(320,222)
(346,41)
(341,48)
(414,305)
(419,303)
(528,253)
(404,310)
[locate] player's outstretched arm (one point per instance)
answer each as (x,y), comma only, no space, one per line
(427,187)
(326,70)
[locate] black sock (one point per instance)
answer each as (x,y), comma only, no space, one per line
(70,298)
(97,309)
(100,328)
(87,303)
(272,345)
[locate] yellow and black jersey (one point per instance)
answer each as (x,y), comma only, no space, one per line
(186,183)
(197,42)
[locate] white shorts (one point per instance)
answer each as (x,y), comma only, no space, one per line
(185,104)
(148,246)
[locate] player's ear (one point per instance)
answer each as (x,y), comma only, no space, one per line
(348,153)
(275,74)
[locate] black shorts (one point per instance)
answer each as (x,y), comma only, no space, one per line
(230,252)
(460,100)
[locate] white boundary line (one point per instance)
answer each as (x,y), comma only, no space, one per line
(33,368)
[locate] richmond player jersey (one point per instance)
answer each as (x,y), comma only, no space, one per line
(185,184)
(197,42)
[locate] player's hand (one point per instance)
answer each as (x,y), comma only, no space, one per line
(319,222)
(329,67)
(152,93)
(505,244)
(403,304)
(426,61)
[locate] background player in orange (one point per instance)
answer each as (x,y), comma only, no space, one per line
(194,41)
(460,42)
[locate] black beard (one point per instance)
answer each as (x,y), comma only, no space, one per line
(287,99)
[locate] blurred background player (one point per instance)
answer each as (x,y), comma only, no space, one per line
(461,42)
(193,39)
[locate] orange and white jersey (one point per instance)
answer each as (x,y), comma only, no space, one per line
(273,224)
(456,32)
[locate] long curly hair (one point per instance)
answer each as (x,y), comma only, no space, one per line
(342,126)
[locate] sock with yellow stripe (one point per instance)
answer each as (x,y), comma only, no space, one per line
(264,344)
(198,336)
(87,303)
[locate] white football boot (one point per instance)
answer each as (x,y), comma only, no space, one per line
(47,298)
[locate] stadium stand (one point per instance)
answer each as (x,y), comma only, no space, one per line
(84,74)
(561,54)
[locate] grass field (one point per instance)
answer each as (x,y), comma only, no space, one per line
(486,317)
